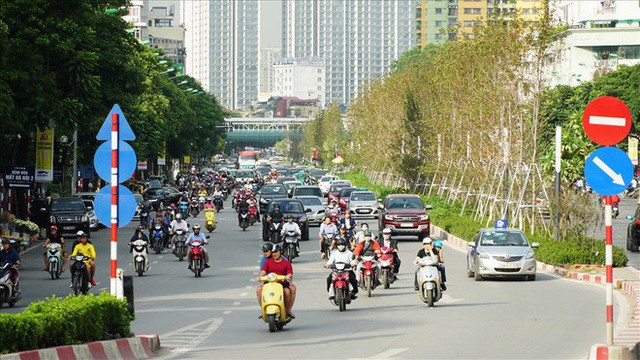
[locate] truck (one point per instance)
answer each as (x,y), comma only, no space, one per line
(248,159)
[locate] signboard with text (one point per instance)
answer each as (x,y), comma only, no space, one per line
(19,177)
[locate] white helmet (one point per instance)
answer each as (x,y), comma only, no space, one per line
(178,216)
(426,240)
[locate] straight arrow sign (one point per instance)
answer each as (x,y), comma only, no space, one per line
(617,178)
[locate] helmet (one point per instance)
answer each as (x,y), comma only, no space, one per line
(426,240)
(53,227)
(267,246)
(276,248)
(81,233)
(196,226)
(178,216)
(173,206)
(341,241)
(386,231)
(141,227)
(5,241)
(437,243)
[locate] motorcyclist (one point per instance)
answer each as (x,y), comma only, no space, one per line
(437,251)
(278,265)
(139,234)
(219,193)
(252,203)
(427,250)
(333,210)
(359,236)
(291,225)
(177,224)
(276,215)
(145,205)
(196,235)
(327,227)
(343,255)
(388,242)
(348,222)
(54,238)
(242,206)
(367,248)
(208,205)
(8,255)
(85,248)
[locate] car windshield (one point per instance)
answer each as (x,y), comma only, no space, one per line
(363,197)
(273,190)
(290,207)
(405,203)
(337,187)
(346,192)
(154,192)
(67,205)
(311,201)
(325,178)
(503,238)
(308,191)
(244,174)
(138,197)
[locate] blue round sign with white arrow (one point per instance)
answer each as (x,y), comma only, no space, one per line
(608,171)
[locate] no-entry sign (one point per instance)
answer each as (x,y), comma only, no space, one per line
(606,120)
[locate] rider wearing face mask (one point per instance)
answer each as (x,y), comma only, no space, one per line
(343,255)
(388,242)
(359,236)
(291,225)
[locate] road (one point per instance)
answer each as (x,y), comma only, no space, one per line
(216,315)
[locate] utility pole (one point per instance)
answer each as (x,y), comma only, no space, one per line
(74,175)
(556,222)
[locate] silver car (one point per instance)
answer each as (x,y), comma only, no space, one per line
(501,252)
(87,199)
(363,204)
(314,207)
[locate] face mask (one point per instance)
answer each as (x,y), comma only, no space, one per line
(365,228)
(341,247)
(386,236)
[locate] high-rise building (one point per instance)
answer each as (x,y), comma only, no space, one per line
(164,28)
(222,43)
(358,40)
(137,18)
(268,56)
(304,79)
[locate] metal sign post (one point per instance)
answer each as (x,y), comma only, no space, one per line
(115,139)
(608,241)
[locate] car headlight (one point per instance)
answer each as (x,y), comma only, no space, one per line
(52,219)
(530,255)
(424,217)
(483,255)
(303,219)
(388,217)
(85,218)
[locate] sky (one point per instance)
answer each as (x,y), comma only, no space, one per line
(270,22)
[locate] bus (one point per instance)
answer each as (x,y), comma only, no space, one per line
(248,159)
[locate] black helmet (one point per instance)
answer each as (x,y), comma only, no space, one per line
(341,241)
(276,248)
(267,246)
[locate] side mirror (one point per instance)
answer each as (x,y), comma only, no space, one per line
(379,200)
(428,207)
(188,225)
(472,244)
(535,245)
(208,236)
(629,217)
(307,210)
(380,206)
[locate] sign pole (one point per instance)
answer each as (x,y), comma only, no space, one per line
(556,222)
(114,199)
(609,266)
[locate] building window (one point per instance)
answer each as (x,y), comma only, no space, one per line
(438,23)
(467,23)
(438,10)
(438,36)
(475,11)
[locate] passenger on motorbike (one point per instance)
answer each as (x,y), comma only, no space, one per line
(359,236)
(343,255)
(427,250)
(139,234)
(54,238)
(199,237)
(326,228)
(437,251)
(333,210)
(367,248)
(9,255)
(291,225)
(85,248)
(388,242)
(278,265)
(177,224)
(348,222)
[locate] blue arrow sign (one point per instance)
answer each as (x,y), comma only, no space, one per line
(127,161)
(126,133)
(500,224)
(608,171)
(126,206)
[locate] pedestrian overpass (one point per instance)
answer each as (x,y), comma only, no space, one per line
(262,132)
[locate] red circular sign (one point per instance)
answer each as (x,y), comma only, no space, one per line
(606,120)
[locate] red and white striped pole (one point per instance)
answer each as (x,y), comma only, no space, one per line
(28,204)
(115,136)
(608,241)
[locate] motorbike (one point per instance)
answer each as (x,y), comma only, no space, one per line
(225,192)
(8,290)
(54,260)
(144,217)
(157,238)
(184,209)
(328,239)
(386,264)
(210,220)
(201,200)
(244,219)
(273,311)
(340,285)
(217,202)
(333,213)
(615,210)
(429,280)
(197,258)
(275,232)
(291,245)
(253,214)
(181,249)
(79,276)
(194,207)
(140,257)
(368,274)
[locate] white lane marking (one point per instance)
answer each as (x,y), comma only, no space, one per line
(227,312)
(244,294)
(236,303)
(154,262)
(160,256)
(607,120)
(174,339)
(389,353)
(248,287)
(448,299)
(252,280)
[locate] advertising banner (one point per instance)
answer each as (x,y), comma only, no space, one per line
(633,150)
(44,155)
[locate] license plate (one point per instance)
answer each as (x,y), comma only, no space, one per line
(68,227)
(406,225)
(509,266)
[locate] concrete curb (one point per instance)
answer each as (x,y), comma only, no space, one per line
(139,347)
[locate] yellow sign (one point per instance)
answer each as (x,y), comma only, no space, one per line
(187,159)
(633,150)
(44,155)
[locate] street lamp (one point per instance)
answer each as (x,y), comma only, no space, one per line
(168,71)
(182,82)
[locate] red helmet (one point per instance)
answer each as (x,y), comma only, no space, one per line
(53,227)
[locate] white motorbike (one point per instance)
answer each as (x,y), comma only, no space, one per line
(291,244)
(140,257)
(8,290)
(429,280)
(54,260)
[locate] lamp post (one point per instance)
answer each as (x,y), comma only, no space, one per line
(74,177)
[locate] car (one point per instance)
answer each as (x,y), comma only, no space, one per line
(263,170)
(363,204)
(290,185)
(343,197)
(500,253)
(318,173)
(314,208)
(633,231)
(325,182)
(288,207)
(282,179)
(334,190)
(69,214)
(404,214)
(270,192)
(88,199)
(243,175)
(154,195)
(170,196)
(306,190)
(300,176)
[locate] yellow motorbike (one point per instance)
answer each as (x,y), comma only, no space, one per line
(210,219)
(273,311)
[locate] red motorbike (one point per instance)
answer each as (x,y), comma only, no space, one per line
(253,214)
(387,266)
(340,285)
(197,257)
(368,274)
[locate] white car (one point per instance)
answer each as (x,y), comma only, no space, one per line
(314,208)
(325,182)
(363,204)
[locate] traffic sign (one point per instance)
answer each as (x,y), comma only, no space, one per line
(608,171)
(606,120)
(126,206)
(19,177)
(124,129)
(500,224)
(127,161)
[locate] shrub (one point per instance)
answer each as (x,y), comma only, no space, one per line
(56,321)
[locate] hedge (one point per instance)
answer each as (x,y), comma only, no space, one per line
(447,216)
(72,320)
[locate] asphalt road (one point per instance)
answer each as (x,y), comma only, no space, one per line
(215,316)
